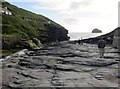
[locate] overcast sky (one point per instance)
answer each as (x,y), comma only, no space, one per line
(76,15)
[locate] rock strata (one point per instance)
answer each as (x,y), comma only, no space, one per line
(63,65)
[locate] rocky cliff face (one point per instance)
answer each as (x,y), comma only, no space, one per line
(54,33)
(26,26)
(116,39)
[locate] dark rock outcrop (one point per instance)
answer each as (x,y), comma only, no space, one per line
(26,25)
(116,39)
(96,31)
(55,33)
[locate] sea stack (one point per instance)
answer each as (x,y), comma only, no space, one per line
(96,31)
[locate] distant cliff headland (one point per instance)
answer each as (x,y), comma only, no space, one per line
(24,29)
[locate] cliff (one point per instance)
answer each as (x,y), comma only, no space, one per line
(116,39)
(22,27)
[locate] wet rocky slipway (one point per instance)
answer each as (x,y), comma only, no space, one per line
(65,64)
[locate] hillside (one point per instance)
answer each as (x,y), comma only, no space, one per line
(19,27)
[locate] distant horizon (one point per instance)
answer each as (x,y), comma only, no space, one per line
(88,32)
(83,35)
(76,15)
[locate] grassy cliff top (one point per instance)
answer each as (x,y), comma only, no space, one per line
(23,29)
(23,22)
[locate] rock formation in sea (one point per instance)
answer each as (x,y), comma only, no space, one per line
(96,31)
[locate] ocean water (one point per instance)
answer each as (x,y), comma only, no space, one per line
(83,35)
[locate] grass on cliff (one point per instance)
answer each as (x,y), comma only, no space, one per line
(12,25)
(27,25)
(22,22)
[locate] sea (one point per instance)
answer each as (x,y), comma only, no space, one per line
(82,35)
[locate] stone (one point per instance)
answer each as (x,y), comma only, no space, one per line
(10,66)
(80,67)
(99,77)
(64,67)
(17,77)
(87,69)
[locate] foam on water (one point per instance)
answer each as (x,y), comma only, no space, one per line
(83,35)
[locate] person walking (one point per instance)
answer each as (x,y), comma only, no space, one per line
(101,47)
(79,41)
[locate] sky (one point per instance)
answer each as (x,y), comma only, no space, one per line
(76,15)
